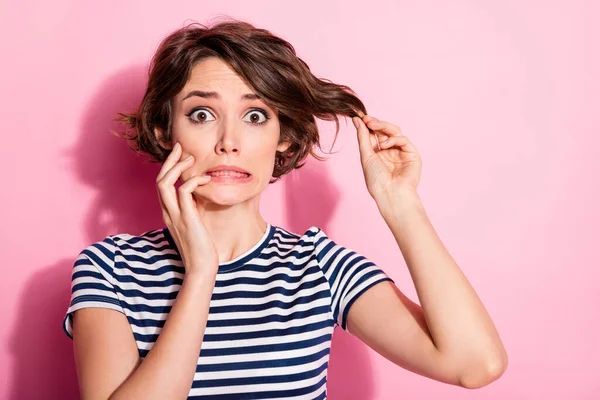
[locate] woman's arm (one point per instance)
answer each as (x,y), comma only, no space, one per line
(460,327)
(106,354)
(451,338)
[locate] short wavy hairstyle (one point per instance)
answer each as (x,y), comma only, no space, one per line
(266,63)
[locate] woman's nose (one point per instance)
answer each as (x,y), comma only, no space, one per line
(227,149)
(229,141)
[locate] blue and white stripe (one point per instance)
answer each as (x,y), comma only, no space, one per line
(272,312)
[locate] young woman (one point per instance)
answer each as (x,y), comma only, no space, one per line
(221,304)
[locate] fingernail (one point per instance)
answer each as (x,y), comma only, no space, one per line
(177,146)
(355,122)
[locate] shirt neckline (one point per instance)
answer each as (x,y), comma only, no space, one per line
(239,260)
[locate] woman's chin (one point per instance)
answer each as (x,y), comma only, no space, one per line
(221,196)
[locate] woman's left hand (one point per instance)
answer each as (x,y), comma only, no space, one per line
(391,163)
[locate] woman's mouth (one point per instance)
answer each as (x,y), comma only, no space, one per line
(229,177)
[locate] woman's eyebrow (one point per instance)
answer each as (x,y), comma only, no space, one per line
(215,95)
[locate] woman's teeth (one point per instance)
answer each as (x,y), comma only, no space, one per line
(228,173)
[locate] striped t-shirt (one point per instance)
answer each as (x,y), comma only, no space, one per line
(272,312)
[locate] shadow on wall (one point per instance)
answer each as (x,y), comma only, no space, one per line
(126,201)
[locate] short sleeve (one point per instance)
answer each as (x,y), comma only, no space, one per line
(349,274)
(92,281)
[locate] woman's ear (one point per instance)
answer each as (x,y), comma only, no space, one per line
(158,134)
(283,146)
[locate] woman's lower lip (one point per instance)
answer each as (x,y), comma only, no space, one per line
(230,179)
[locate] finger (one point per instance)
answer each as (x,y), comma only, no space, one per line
(186,199)
(398,141)
(163,208)
(366,118)
(169,208)
(175,172)
(385,127)
(392,141)
(166,187)
(379,136)
(171,159)
(365,141)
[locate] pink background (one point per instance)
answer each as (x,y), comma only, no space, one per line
(500,98)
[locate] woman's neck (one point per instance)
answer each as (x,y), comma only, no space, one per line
(234,229)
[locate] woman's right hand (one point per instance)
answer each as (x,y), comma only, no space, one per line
(180,214)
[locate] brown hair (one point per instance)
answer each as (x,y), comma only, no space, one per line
(268,65)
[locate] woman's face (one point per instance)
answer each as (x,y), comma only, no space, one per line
(221,122)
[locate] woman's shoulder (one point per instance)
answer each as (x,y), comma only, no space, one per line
(129,243)
(155,236)
(298,234)
(312,236)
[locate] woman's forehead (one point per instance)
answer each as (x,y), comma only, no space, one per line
(214,75)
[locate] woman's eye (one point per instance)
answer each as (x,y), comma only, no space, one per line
(257,117)
(201,115)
